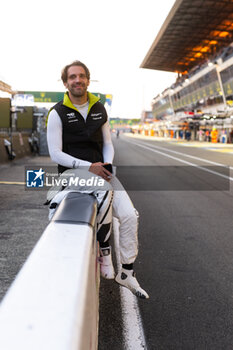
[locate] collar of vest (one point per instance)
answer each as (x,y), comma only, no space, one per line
(92,99)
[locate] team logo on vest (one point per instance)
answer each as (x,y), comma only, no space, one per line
(72,117)
(96,116)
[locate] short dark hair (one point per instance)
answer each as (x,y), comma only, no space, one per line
(64,74)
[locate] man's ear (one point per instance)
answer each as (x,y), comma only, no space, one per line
(65,84)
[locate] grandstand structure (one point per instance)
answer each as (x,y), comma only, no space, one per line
(196,42)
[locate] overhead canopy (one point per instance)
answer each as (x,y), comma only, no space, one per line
(193,31)
(5,87)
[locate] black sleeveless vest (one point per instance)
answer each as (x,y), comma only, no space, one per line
(82,139)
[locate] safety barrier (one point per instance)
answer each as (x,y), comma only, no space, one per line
(53,302)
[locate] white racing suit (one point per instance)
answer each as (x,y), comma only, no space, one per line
(128,218)
(121,208)
(83,181)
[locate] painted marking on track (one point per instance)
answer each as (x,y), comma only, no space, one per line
(209,146)
(154,149)
(133,332)
(12,183)
(222,149)
(182,154)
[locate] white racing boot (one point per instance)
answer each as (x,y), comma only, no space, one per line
(106,266)
(126,278)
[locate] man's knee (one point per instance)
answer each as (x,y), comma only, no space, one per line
(130,216)
(135,217)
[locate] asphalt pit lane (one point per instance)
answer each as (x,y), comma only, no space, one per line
(6,235)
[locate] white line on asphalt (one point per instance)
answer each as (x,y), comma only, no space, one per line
(133,332)
(185,155)
(152,149)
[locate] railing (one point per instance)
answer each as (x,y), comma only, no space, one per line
(53,302)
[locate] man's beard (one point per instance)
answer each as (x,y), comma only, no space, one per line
(78,92)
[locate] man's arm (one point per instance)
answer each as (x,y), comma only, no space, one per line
(108,150)
(108,154)
(54,138)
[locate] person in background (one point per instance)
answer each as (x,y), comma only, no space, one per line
(78,136)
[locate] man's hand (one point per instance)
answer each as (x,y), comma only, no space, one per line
(98,169)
